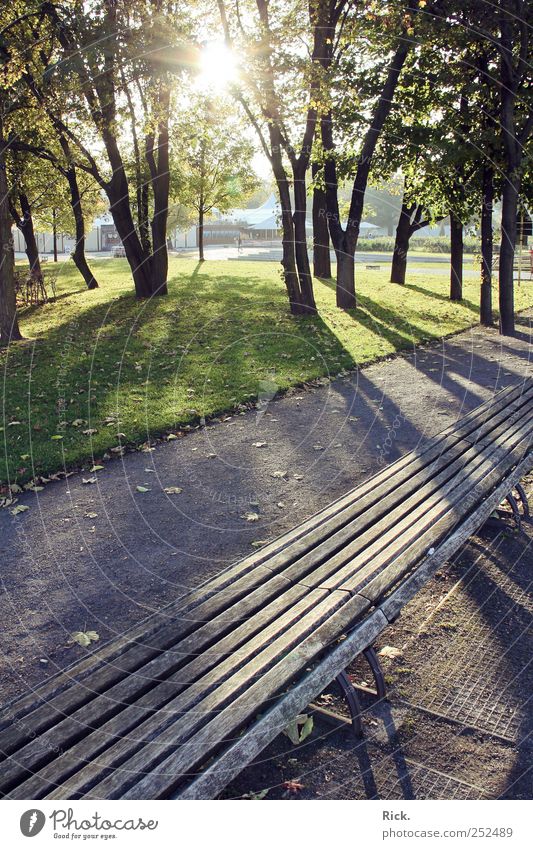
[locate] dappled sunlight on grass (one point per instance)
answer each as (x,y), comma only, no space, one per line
(99,369)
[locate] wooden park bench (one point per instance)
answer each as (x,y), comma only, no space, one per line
(178,706)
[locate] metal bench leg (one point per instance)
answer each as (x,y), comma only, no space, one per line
(523,499)
(511,500)
(373,661)
(352,700)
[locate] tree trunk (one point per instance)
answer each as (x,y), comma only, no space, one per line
(161,188)
(139,260)
(321,244)
(54,234)
(78,254)
(485,302)
(456,276)
(511,188)
(288,262)
(201,233)
(9,328)
(345,289)
(401,246)
(300,240)
(25,225)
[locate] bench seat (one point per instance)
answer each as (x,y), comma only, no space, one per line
(179,704)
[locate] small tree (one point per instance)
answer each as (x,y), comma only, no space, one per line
(214,170)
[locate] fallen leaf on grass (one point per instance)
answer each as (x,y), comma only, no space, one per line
(56,436)
(84,638)
(90,431)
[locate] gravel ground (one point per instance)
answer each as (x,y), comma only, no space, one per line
(103,556)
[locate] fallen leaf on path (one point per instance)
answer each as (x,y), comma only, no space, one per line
(143,489)
(172,490)
(88,480)
(292,786)
(20,508)
(250,517)
(279,474)
(389,651)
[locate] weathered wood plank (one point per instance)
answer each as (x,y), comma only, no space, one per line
(133,657)
(169,668)
(183,722)
(244,640)
(393,543)
(267,692)
(459,511)
(394,603)
(390,534)
(242,752)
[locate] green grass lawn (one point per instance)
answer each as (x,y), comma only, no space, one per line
(97,364)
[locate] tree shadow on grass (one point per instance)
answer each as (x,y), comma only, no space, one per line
(431,294)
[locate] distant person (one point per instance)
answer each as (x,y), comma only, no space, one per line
(239,244)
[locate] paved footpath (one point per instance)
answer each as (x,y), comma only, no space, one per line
(101,557)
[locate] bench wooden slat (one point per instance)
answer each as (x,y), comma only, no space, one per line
(119,727)
(160,735)
(378,533)
(433,536)
(184,759)
(169,665)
